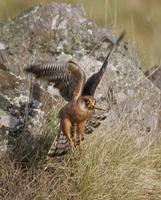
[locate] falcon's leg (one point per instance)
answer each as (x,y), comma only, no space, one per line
(65,126)
(80,132)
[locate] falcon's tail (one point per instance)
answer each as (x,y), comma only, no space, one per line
(60,146)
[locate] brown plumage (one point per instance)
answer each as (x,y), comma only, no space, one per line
(60,145)
(69,78)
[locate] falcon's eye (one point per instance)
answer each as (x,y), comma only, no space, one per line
(87,101)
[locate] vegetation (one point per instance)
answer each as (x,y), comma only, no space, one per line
(113,166)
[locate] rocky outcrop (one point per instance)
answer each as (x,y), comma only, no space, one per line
(59,32)
(154,75)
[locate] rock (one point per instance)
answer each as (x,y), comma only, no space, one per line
(2,46)
(154,75)
(59,32)
(15,111)
(3,140)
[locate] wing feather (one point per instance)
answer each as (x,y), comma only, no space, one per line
(93,81)
(69,78)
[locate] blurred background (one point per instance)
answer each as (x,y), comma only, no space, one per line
(140,18)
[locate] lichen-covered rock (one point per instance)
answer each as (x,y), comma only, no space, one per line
(59,32)
(20,117)
(154,75)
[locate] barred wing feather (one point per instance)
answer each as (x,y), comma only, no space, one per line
(69,78)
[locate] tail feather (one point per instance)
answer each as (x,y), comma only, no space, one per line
(60,146)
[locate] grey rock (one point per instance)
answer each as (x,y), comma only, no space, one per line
(3,141)
(2,46)
(8,121)
(154,75)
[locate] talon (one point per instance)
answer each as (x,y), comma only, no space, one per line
(72,145)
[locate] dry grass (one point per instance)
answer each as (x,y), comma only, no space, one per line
(111,167)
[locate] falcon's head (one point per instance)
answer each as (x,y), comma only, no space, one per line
(89,102)
(86,103)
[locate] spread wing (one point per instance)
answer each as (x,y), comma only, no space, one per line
(93,81)
(69,78)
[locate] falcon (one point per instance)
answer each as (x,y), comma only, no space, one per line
(69,79)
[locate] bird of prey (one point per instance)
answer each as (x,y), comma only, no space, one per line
(69,79)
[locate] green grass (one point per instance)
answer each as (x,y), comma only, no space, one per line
(112,167)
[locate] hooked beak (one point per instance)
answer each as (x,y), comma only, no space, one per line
(98,108)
